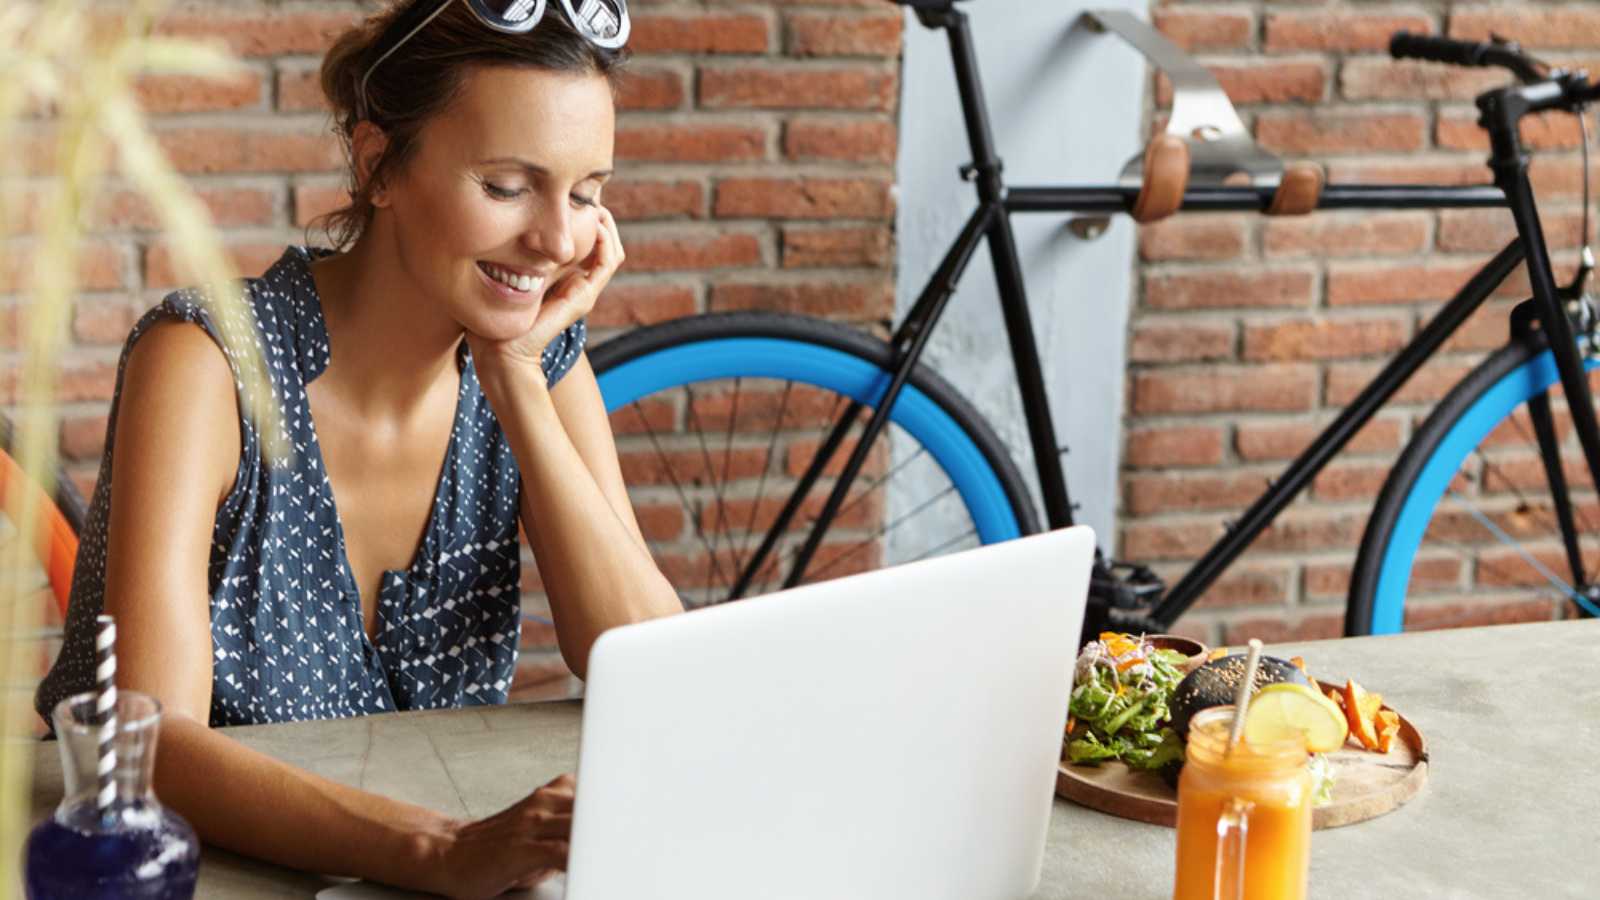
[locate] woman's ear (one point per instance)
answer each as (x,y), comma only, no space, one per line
(367,145)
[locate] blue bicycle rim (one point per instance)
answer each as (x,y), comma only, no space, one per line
(843,373)
(1394,575)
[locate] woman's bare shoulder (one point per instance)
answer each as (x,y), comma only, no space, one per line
(178,397)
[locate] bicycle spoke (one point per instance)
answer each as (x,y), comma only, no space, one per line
(727,447)
(1541,568)
(692,422)
(1576,511)
(970,532)
(873,538)
(760,487)
(673,477)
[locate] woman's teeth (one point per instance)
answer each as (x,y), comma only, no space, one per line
(522,283)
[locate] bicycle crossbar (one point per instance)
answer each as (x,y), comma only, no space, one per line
(1113,198)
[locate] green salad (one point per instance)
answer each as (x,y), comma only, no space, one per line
(1119,704)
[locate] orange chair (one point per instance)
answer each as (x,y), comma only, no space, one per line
(59,518)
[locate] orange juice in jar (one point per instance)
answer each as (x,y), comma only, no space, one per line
(1244,817)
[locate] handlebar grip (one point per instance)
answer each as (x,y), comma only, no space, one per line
(1405,45)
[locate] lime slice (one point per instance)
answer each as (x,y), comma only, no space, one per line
(1286,712)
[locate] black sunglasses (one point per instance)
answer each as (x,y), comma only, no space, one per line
(603,23)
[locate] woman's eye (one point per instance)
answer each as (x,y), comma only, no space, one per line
(584,201)
(500,193)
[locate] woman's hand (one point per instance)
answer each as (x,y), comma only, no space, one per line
(517,848)
(566,301)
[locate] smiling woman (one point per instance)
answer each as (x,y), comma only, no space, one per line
(433,385)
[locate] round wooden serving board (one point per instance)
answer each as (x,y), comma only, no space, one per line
(1366,784)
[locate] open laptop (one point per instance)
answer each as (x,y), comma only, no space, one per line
(892,734)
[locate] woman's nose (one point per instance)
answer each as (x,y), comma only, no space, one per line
(550,235)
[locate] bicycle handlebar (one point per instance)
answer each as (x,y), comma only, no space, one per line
(1495,52)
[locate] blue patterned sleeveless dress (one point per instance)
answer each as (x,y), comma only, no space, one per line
(286,623)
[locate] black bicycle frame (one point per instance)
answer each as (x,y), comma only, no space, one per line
(1501,112)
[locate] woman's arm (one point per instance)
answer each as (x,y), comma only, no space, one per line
(592,557)
(175,455)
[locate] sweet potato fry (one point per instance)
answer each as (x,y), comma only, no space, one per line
(1359,708)
(1388,722)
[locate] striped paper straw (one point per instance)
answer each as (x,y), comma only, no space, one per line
(105,710)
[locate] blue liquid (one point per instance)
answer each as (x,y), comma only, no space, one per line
(147,853)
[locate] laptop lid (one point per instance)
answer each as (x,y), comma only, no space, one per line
(891,734)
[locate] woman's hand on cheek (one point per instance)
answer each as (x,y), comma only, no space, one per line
(565,302)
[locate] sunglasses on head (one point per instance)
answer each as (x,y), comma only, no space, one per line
(603,23)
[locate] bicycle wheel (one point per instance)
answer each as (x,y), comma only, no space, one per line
(717,416)
(1465,530)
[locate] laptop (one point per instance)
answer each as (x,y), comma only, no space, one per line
(891,734)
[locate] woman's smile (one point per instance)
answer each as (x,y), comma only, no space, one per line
(508,285)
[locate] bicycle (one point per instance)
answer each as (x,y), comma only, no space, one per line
(668,385)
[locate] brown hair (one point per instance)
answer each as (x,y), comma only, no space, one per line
(422,78)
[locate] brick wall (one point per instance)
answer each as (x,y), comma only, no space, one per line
(755,147)
(1249,334)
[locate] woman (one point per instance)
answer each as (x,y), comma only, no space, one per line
(435,393)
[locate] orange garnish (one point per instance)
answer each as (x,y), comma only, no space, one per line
(1359,708)
(1388,727)
(1300,663)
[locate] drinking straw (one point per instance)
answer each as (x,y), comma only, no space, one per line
(105,711)
(1241,695)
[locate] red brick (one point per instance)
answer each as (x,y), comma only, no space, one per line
(260,34)
(1410,170)
(716,251)
(803,198)
(1208,29)
(165,94)
(1354,234)
(792,87)
(1486,329)
(1304,627)
(1353,284)
(1309,532)
(1155,541)
(803,452)
(86,379)
(313,200)
(833,298)
(1154,447)
(230,207)
(11,325)
(757,516)
(1428,385)
(638,304)
(1488,230)
(540,677)
(102,266)
(631,200)
(1229,289)
(644,88)
(1225,389)
(300,89)
(1182,341)
(1257,81)
(831,34)
(763,410)
(200,151)
(1144,495)
(691,142)
(161,268)
(1541,25)
(643,417)
(1471,614)
(1543,131)
(1274,441)
(1188,237)
(807,247)
(1253,585)
(1340,131)
(1338,31)
(1405,79)
(686,466)
(842,140)
(1324,339)
(83,437)
(1350,481)
(106,321)
(702,33)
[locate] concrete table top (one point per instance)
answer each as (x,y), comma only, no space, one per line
(1511,715)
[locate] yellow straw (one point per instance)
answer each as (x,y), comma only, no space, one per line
(1241,695)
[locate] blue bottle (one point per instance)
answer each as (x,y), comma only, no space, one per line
(139,849)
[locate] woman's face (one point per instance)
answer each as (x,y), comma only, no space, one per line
(505,186)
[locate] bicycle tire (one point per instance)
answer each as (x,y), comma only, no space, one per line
(830,357)
(1408,503)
